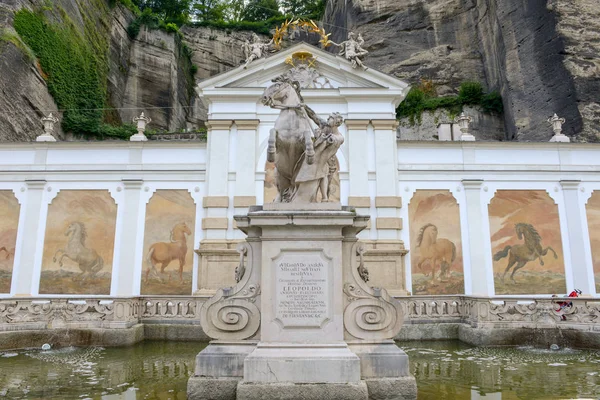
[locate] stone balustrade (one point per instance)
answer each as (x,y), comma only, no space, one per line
(124,312)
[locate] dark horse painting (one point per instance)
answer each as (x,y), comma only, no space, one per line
(519,255)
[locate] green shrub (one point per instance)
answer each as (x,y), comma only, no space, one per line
(470,93)
(171,28)
(492,103)
(194,69)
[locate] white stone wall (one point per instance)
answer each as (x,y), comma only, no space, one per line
(379,176)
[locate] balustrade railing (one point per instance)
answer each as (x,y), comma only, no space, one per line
(117,312)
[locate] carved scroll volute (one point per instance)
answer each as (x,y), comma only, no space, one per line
(371,313)
(232,313)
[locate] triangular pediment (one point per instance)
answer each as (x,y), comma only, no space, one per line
(334,72)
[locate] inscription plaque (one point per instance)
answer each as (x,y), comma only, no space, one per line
(302,289)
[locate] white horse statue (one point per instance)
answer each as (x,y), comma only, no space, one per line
(88,260)
(300,163)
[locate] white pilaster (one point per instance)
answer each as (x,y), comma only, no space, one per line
(386,177)
(32,227)
(583,274)
(125,274)
(217,179)
(482,283)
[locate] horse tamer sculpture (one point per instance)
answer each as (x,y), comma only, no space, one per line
(300,153)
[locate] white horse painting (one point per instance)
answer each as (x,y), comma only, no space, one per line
(88,260)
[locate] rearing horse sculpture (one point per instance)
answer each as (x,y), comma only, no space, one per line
(291,138)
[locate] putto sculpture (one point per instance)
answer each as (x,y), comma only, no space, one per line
(302,156)
(255,49)
(352,50)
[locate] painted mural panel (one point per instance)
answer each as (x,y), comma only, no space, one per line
(435,243)
(332,184)
(79,243)
(9,221)
(526,243)
(593,217)
(168,243)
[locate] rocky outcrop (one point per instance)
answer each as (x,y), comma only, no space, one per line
(578,23)
(157,81)
(24,97)
(539,55)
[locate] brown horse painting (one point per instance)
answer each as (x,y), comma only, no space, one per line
(163,253)
(434,251)
(521,254)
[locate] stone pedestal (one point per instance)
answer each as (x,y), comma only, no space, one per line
(302,293)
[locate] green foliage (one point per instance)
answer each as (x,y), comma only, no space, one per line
(171,28)
(492,103)
(209,10)
(76,72)
(421,99)
(302,8)
(262,27)
(194,69)
(129,4)
(175,11)
(470,93)
(260,10)
(8,36)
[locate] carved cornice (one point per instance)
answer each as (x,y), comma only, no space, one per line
(219,124)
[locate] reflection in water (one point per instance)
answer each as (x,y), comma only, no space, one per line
(452,370)
(160,370)
(149,370)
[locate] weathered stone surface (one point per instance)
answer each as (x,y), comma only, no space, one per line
(213,51)
(403,388)
(24,97)
(156,81)
(579,26)
(200,388)
(542,56)
(485,127)
(291,391)
(10,340)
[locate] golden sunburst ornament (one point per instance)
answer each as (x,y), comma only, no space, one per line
(309,26)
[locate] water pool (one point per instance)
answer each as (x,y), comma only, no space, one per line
(159,370)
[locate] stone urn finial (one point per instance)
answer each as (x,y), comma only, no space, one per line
(557,124)
(48,122)
(463,122)
(141,122)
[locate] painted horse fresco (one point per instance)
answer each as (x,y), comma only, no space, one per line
(88,260)
(163,253)
(9,253)
(434,251)
(521,254)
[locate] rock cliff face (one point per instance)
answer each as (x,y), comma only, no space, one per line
(24,97)
(538,54)
(542,55)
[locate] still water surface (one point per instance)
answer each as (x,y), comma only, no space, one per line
(159,370)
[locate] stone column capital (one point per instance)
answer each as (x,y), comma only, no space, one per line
(247,124)
(356,123)
(570,184)
(385,124)
(130,184)
(35,184)
(219,124)
(472,184)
